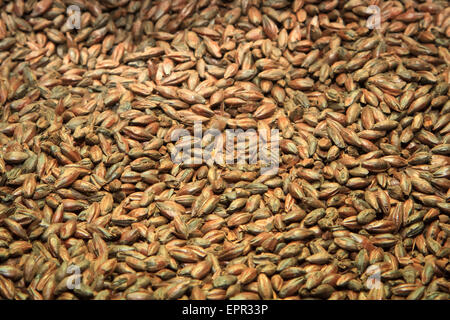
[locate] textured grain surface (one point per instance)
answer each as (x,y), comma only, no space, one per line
(93,206)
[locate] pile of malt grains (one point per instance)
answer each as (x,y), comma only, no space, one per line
(94,206)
